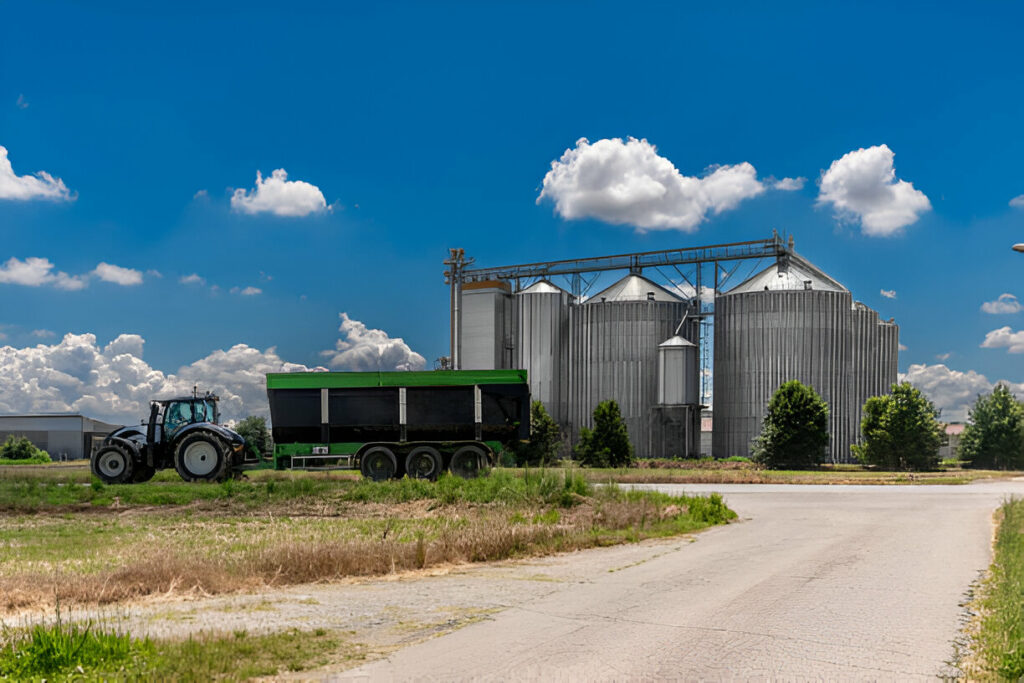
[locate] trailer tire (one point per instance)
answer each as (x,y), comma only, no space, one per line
(201,457)
(113,465)
(468,462)
(423,462)
(378,463)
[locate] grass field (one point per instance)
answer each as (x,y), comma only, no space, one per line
(997,632)
(94,651)
(86,543)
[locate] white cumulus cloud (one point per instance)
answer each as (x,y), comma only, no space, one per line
(1006,338)
(789,184)
(279,196)
(363,348)
(112,382)
(888,293)
(953,391)
(1006,303)
(1017,202)
(193,279)
(41,185)
(36,272)
(118,275)
(862,186)
(43,334)
(686,290)
(630,183)
(246,291)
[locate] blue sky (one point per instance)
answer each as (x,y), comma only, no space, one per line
(426,127)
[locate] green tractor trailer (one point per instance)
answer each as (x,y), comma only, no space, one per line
(391,424)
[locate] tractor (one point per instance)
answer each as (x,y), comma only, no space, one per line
(181,433)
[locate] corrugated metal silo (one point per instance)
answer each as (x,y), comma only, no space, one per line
(791,321)
(542,317)
(614,353)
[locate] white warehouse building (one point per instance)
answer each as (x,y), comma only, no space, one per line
(63,436)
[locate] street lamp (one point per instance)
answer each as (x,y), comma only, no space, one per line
(1019,247)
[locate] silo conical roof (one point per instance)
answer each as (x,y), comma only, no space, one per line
(677,340)
(795,276)
(634,287)
(543,287)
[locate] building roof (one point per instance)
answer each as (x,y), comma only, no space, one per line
(955,429)
(633,287)
(793,276)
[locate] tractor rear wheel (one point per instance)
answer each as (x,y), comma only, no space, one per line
(113,465)
(201,457)
(378,463)
(468,462)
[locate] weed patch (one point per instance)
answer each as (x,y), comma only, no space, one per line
(998,637)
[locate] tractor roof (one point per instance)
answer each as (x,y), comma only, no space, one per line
(207,397)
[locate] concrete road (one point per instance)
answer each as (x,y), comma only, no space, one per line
(833,582)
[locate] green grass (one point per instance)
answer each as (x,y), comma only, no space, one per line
(999,641)
(34,460)
(89,651)
(32,492)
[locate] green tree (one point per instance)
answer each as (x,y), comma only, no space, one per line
(20,448)
(607,444)
(254,430)
(900,431)
(545,439)
(994,437)
(795,430)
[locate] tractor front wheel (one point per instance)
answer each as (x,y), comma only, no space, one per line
(201,457)
(113,465)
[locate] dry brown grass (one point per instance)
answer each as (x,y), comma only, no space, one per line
(183,557)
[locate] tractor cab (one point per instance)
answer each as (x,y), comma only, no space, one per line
(167,416)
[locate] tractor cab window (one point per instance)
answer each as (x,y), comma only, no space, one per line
(177,414)
(205,411)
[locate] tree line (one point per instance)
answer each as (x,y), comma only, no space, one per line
(899,431)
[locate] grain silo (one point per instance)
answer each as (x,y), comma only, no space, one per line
(792,321)
(542,344)
(613,353)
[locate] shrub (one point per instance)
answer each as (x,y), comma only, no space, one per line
(545,438)
(900,431)
(254,430)
(607,444)
(795,430)
(994,436)
(20,448)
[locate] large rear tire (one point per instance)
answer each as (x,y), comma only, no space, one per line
(378,463)
(423,462)
(468,462)
(201,457)
(113,465)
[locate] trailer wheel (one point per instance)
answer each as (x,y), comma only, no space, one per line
(143,473)
(113,465)
(200,457)
(423,462)
(378,463)
(468,462)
